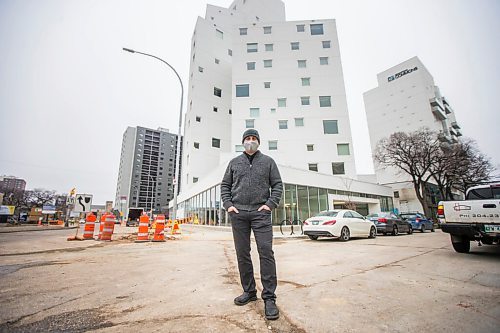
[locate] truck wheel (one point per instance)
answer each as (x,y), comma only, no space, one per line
(460,244)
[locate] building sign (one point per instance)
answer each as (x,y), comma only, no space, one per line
(7,210)
(400,74)
(48,209)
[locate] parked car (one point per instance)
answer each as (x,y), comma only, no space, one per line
(342,224)
(390,223)
(418,221)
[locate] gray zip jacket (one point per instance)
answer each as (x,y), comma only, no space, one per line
(246,186)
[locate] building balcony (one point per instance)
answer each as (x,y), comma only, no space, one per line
(458,132)
(455,125)
(436,102)
(452,132)
(438,112)
(448,109)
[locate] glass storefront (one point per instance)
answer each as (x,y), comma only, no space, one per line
(297,203)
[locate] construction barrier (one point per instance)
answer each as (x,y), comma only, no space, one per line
(143,232)
(88,232)
(101,226)
(159,223)
(176,230)
(109,227)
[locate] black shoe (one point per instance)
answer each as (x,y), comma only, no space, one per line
(271,310)
(245,298)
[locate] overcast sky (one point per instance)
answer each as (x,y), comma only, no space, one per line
(68,91)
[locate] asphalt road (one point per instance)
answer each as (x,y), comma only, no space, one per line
(408,283)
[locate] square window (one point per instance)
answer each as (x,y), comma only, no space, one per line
(239,148)
(230,52)
(269,47)
(196,145)
(267,84)
(316,29)
(250,66)
(306,81)
(215,143)
(273,110)
(230,111)
(343,149)
(325,101)
(195,179)
(310,147)
(217,61)
(250,123)
(304,100)
(254,112)
(301,63)
(299,122)
(330,127)
(313,167)
(338,168)
(215,109)
(217,92)
(326,44)
(252,47)
(268,63)
(273,145)
(198,119)
(283,124)
(243,31)
(301,28)
(281,102)
(242,90)
(267,30)
(323,60)
(219,34)
(294,45)
(200,69)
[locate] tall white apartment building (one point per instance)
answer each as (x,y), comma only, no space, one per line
(406,100)
(250,68)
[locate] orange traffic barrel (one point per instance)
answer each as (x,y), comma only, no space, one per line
(101,225)
(109,227)
(88,232)
(143,232)
(159,235)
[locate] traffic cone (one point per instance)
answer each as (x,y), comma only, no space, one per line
(88,233)
(142,233)
(159,235)
(176,230)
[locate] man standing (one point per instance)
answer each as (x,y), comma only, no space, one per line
(246,196)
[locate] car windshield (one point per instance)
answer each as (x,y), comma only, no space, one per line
(331,213)
(378,215)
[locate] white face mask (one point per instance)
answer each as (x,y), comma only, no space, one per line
(251,146)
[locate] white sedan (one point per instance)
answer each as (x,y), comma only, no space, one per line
(342,224)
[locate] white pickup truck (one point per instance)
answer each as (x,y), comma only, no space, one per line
(475,219)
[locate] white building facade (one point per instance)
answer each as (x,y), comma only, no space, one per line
(407,100)
(250,68)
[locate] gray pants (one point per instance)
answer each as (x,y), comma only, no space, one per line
(260,222)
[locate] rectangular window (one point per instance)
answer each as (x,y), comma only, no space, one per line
(325,101)
(230,111)
(217,92)
(310,147)
(316,29)
(338,168)
(326,44)
(196,145)
(254,112)
(330,127)
(250,123)
(250,66)
(269,47)
(294,45)
(195,179)
(200,69)
(299,122)
(215,143)
(267,30)
(281,102)
(239,148)
(301,28)
(215,109)
(304,100)
(268,63)
(283,124)
(301,63)
(323,60)
(343,149)
(198,119)
(313,167)
(306,81)
(252,47)
(230,52)
(219,34)
(243,31)
(273,145)
(242,90)
(273,110)
(217,61)
(267,84)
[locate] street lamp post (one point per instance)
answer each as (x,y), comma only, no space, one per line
(177,156)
